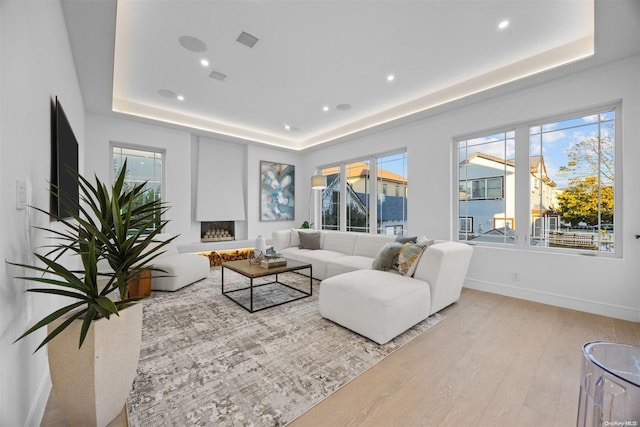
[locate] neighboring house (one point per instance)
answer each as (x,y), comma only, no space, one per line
(545,217)
(487,197)
(391,190)
(486,194)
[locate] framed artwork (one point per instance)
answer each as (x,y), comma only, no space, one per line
(277,191)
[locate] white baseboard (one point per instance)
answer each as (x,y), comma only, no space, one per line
(36,412)
(580,304)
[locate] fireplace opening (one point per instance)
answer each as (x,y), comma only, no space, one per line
(217,231)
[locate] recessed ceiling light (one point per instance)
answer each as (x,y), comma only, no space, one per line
(204,62)
(325,108)
(287,127)
(391,78)
(502,25)
(193,44)
(180,98)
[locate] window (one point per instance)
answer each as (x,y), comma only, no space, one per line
(392,210)
(358,190)
(365,195)
(331,199)
(482,189)
(486,180)
(572,182)
(466,224)
(566,196)
(141,166)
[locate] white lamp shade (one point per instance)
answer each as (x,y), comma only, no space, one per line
(318,182)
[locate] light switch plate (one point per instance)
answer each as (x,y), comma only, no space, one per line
(21,194)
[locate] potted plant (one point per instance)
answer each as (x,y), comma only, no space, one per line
(94,342)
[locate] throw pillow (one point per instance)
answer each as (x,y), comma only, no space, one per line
(309,240)
(295,240)
(408,258)
(422,240)
(384,259)
(404,239)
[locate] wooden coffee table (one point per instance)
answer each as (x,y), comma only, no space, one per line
(254,271)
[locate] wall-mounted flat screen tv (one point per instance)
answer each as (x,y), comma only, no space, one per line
(64,164)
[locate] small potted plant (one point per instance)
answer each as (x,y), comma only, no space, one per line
(94,342)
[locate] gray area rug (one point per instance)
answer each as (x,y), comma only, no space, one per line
(205,361)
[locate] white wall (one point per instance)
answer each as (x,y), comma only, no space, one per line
(180,165)
(35,66)
(103,130)
(601,285)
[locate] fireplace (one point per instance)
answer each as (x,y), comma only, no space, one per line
(217,231)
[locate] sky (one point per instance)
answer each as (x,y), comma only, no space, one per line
(551,140)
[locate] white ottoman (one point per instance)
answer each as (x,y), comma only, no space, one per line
(181,270)
(376,304)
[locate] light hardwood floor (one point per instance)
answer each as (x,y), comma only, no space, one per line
(493,361)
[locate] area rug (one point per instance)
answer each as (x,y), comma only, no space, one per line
(205,361)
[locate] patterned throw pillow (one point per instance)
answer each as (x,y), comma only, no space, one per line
(408,258)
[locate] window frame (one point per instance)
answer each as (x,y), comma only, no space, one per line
(373,194)
(143,148)
(522,185)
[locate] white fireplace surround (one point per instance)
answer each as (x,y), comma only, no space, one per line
(219,188)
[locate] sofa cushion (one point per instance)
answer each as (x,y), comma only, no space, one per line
(295,238)
(310,240)
(384,260)
(317,258)
(370,244)
(339,242)
(373,303)
(347,263)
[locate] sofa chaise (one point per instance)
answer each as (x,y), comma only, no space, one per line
(377,304)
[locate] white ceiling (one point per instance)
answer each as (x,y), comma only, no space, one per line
(312,54)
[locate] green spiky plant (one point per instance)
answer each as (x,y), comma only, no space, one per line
(111,223)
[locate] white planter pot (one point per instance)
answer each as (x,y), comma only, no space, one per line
(92,383)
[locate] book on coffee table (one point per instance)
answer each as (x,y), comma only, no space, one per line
(273,262)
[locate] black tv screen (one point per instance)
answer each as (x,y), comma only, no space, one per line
(64,165)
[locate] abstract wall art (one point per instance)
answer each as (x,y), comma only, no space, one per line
(277,191)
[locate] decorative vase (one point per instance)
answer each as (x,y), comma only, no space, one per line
(92,383)
(261,246)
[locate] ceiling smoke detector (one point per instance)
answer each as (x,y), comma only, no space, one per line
(247,39)
(218,75)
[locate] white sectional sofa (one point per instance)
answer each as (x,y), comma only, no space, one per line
(378,304)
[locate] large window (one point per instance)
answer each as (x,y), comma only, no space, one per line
(566,196)
(358,189)
(142,166)
(572,182)
(486,180)
(366,196)
(392,208)
(331,199)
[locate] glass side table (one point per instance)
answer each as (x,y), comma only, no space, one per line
(610,385)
